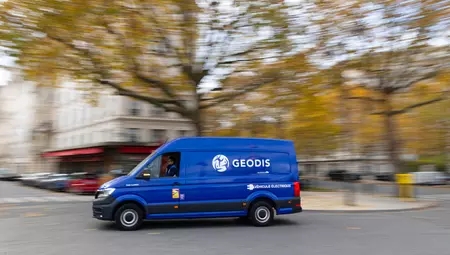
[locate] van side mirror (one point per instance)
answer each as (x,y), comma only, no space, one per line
(145,174)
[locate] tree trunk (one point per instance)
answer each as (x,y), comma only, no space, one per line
(447,145)
(280,128)
(390,129)
(345,143)
(198,122)
(197,118)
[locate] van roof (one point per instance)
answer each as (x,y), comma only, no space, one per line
(224,143)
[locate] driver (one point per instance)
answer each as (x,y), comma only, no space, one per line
(171,169)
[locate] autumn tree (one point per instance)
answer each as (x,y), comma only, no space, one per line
(168,53)
(386,47)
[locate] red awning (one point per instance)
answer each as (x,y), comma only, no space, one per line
(83,159)
(137,149)
(74,152)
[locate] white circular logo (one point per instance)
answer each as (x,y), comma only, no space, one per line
(220,163)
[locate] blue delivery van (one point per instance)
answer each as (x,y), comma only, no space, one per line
(205,177)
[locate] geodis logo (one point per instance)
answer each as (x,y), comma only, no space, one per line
(221,163)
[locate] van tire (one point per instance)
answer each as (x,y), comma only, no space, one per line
(129,217)
(261,214)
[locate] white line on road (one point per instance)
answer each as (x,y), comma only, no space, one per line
(53,199)
(11,200)
(34,199)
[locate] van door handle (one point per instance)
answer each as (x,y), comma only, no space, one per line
(176,184)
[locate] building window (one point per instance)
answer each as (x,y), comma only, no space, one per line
(134,108)
(182,133)
(158,112)
(158,135)
(133,134)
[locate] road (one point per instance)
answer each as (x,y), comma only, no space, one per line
(68,228)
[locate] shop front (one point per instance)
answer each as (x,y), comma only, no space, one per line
(101,158)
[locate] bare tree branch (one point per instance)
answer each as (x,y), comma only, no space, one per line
(413,81)
(161,31)
(241,60)
(370,99)
(163,103)
(409,108)
(227,97)
(136,69)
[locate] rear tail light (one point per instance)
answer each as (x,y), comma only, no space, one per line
(296,189)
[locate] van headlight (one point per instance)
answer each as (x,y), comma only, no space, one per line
(105,193)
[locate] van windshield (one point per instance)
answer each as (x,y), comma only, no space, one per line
(139,166)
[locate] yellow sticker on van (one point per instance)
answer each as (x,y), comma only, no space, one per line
(175,193)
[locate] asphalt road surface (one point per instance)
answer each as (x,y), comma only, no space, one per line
(66,228)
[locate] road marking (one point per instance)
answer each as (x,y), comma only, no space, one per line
(11,200)
(29,215)
(424,218)
(34,199)
(353,228)
(55,198)
(156,233)
(90,229)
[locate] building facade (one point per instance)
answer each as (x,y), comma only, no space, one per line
(16,121)
(116,133)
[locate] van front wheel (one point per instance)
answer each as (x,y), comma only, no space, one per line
(261,214)
(129,217)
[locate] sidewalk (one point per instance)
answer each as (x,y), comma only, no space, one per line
(334,202)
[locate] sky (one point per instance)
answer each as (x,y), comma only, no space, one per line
(5,75)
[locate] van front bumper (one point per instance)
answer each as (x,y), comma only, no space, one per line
(103,209)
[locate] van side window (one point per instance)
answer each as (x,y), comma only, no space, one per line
(170,166)
(165,166)
(153,167)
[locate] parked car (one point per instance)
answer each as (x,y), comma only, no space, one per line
(343,175)
(386,177)
(25,179)
(111,175)
(33,179)
(85,183)
(8,175)
(56,182)
(39,178)
(305,182)
(337,175)
(430,178)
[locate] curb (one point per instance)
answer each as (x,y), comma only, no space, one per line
(428,206)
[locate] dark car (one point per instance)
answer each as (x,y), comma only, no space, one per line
(56,182)
(36,179)
(386,177)
(337,175)
(343,175)
(8,175)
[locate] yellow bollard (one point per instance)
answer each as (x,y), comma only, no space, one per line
(405,184)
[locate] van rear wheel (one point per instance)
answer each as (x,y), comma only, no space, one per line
(129,217)
(261,214)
